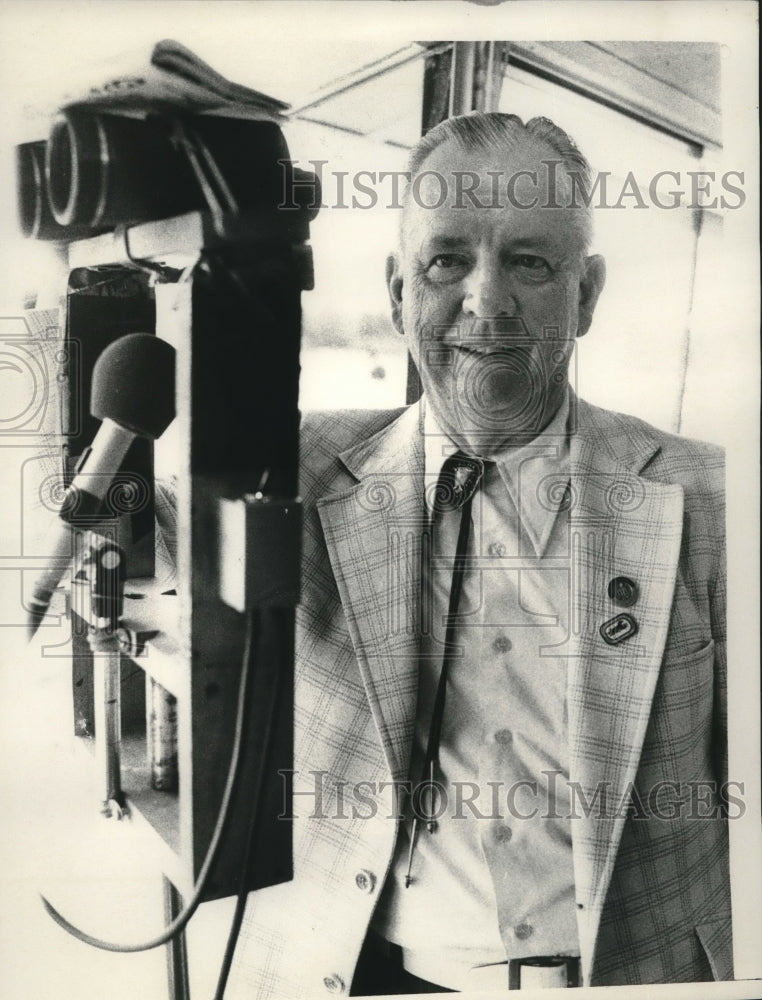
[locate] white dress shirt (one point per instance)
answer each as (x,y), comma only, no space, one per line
(495,879)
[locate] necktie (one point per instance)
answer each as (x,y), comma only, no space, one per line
(455,490)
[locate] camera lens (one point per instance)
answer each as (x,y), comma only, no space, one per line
(73,168)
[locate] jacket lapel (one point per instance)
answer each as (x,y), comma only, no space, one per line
(622,525)
(373,534)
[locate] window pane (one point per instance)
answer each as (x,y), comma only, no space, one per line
(351,354)
(633,358)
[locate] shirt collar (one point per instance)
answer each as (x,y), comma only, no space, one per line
(535,474)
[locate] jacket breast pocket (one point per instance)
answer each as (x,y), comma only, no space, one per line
(680,726)
(683,676)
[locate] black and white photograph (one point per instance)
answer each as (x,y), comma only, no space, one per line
(379,499)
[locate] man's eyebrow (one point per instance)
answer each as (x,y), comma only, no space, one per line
(444,242)
(537,240)
(535,245)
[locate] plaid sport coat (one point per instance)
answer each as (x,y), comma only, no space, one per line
(646,717)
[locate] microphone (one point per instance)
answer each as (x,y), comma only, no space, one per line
(133,393)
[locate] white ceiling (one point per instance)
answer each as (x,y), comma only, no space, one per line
(690,67)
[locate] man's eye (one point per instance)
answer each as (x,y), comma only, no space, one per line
(530,263)
(445,267)
(445,261)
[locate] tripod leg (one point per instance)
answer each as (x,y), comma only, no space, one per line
(177,955)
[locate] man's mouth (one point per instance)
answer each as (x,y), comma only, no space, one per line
(502,335)
(491,348)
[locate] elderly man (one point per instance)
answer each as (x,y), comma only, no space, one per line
(510,706)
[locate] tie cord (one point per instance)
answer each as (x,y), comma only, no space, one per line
(456,487)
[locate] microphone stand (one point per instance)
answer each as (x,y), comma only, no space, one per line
(105,566)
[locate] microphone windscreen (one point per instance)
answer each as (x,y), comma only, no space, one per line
(134,384)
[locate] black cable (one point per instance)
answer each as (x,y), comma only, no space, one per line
(182,919)
(243,891)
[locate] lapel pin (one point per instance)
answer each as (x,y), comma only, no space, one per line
(618,628)
(623,591)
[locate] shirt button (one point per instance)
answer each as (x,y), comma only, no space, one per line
(503,834)
(497,550)
(334,984)
(523,931)
(365,880)
(501,644)
(504,737)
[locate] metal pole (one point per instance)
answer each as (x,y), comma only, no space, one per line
(108,735)
(177,952)
(462,78)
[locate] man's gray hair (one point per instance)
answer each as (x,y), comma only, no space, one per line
(489,129)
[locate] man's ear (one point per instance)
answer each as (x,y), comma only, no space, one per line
(394,284)
(590,287)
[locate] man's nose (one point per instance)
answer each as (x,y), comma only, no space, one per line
(488,292)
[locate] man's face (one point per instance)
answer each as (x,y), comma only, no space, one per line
(490,299)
